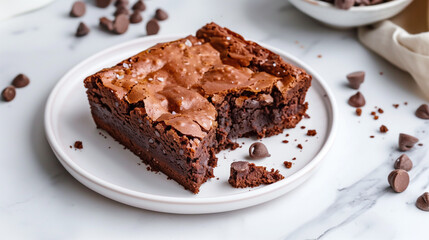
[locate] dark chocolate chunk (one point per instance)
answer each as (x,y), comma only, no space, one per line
(152,27)
(406,142)
(423,111)
(258,150)
(422,202)
(78,9)
(121,3)
(399,180)
(102,3)
(136,17)
(106,24)
(139,6)
(78,145)
(161,14)
(287,164)
(383,129)
(403,162)
(344,4)
(8,93)
(121,10)
(121,23)
(356,79)
(311,132)
(357,100)
(20,81)
(82,30)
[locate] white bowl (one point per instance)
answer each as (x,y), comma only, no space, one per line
(328,14)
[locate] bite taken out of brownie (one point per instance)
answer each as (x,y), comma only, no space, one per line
(177,104)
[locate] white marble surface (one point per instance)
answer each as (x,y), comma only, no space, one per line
(348,198)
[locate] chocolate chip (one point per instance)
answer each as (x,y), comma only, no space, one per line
(423,111)
(82,30)
(406,142)
(136,17)
(357,100)
(103,3)
(240,166)
(344,4)
(399,180)
(383,129)
(139,6)
(78,145)
(106,24)
(152,27)
(161,14)
(356,79)
(8,93)
(121,2)
(121,10)
(403,162)
(121,23)
(78,9)
(258,150)
(20,81)
(422,202)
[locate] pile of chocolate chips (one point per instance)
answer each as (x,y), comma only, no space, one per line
(20,81)
(124,15)
(346,4)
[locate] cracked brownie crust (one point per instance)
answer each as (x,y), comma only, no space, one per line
(177,104)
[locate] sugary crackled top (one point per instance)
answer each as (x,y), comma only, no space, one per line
(174,81)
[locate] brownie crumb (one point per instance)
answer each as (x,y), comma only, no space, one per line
(302,127)
(395,105)
(244,174)
(420,144)
(311,132)
(78,145)
(381,73)
(299,146)
(148,168)
(71,146)
(217,178)
(373,113)
(358,111)
(375,117)
(285,141)
(319,56)
(380,110)
(294,158)
(306,116)
(383,129)
(287,164)
(287,134)
(405,103)
(371,136)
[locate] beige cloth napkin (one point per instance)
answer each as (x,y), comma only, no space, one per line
(403,41)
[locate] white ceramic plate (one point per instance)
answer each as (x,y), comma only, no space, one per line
(328,14)
(106,167)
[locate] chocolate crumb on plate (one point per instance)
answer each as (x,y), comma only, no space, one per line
(358,111)
(78,9)
(356,79)
(395,105)
(381,73)
(423,111)
(285,141)
(398,180)
(152,27)
(422,202)
(78,145)
(373,113)
(311,132)
(371,136)
(287,134)
(375,117)
(294,158)
(420,144)
(82,30)
(405,103)
(406,142)
(20,81)
(258,150)
(319,56)
(8,93)
(380,110)
(404,163)
(357,100)
(383,129)
(244,174)
(287,164)
(161,14)
(302,127)
(299,146)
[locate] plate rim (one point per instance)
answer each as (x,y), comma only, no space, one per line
(64,159)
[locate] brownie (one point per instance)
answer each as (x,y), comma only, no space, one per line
(244,174)
(177,104)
